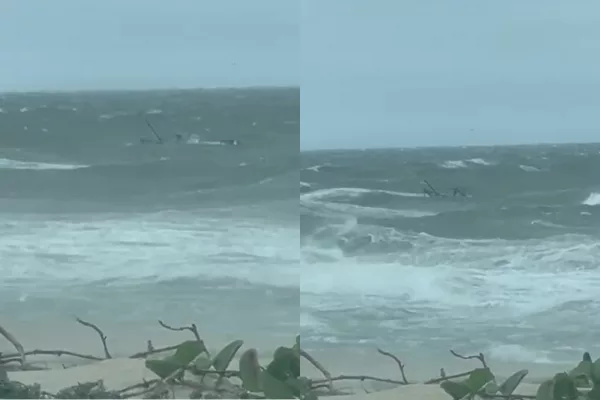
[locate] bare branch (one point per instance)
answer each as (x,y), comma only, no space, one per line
(400,365)
(356,377)
(192,328)
(13,340)
(479,357)
(145,384)
(226,373)
(100,333)
(6,358)
(144,354)
(318,366)
(448,377)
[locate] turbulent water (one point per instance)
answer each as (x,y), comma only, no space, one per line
(512,269)
(96,219)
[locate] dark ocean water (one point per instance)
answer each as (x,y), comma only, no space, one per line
(512,269)
(92,219)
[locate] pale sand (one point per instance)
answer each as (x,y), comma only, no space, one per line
(421,392)
(122,372)
(117,374)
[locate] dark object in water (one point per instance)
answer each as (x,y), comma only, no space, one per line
(148,141)
(230,142)
(458,192)
(430,191)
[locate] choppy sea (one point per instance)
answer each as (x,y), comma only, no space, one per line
(99,222)
(510,269)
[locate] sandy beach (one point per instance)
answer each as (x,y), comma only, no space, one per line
(122,372)
(116,374)
(422,392)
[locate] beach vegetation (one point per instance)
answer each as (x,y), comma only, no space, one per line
(189,370)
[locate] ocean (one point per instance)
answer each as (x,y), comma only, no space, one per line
(100,223)
(510,269)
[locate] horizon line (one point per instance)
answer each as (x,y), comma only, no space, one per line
(154,89)
(447,146)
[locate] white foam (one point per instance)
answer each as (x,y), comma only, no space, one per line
(518,353)
(24,109)
(196,139)
(479,161)
(318,200)
(333,193)
(528,168)
(317,168)
(15,164)
(453,164)
(154,111)
(375,212)
(158,247)
(504,277)
(113,115)
(592,200)
(304,184)
(547,224)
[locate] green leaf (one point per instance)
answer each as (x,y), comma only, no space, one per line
(285,364)
(510,385)
(596,371)
(582,374)
(273,388)
(250,371)
(457,390)
(545,391)
(203,363)
(490,388)
(564,387)
(478,379)
(223,359)
(186,353)
(594,394)
(162,368)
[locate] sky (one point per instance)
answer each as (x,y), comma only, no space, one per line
(404,73)
(144,44)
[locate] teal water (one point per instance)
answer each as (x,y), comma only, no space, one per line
(96,222)
(511,270)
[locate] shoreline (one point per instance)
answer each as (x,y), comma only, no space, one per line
(384,382)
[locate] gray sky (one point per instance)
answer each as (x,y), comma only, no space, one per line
(112,44)
(379,73)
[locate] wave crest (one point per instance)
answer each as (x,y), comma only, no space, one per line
(33,165)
